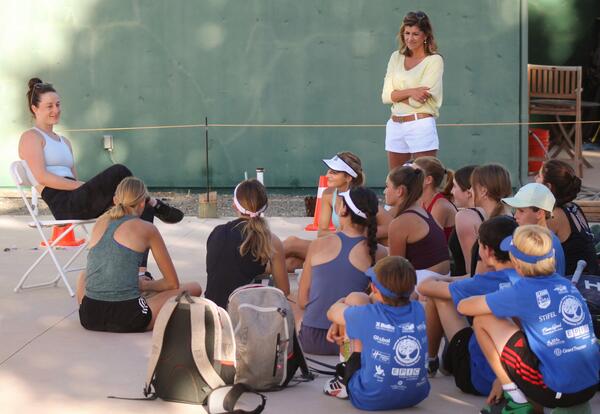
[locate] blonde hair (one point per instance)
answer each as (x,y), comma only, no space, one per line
(534,240)
(130,192)
(252,196)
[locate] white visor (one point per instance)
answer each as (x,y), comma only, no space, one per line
(350,203)
(338,164)
(243,210)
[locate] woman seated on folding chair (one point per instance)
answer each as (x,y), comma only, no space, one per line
(50,158)
(110,293)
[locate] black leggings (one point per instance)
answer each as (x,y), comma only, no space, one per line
(92,199)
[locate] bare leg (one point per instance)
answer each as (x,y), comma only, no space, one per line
(451,321)
(157,301)
(397,159)
(80,291)
(432,153)
(295,250)
(492,335)
(434,328)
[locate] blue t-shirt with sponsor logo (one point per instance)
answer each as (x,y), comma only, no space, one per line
(393,360)
(558,327)
(482,376)
(559,255)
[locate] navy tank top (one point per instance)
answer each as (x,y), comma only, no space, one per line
(431,249)
(580,243)
(331,281)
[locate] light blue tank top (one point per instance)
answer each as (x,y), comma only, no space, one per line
(112,269)
(331,281)
(335,219)
(57,155)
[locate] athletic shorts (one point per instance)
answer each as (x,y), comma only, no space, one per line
(457,360)
(314,341)
(132,315)
(521,365)
(411,137)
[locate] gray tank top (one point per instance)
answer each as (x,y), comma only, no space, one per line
(112,269)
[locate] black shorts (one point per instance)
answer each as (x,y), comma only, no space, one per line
(521,365)
(132,315)
(457,360)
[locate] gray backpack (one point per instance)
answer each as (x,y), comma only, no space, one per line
(268,353)
(193,356)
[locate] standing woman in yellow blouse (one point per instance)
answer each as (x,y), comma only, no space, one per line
(413,87)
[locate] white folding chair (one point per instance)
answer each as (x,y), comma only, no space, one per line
(22,177)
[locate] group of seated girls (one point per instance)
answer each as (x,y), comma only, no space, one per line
(394,338)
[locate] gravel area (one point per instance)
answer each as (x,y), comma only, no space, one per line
(279,205)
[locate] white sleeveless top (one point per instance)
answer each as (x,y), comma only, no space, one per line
(58,156)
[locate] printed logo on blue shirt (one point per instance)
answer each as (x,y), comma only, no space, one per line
(406,372)
(379,373)
(561,289)
(572,310)
(547,316)
(407,327)
(407,350)
(549,330)
(543,298)
(580,332)
(377,355)
(382,340)
(384,327)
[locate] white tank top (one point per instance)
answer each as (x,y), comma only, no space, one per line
(58,156)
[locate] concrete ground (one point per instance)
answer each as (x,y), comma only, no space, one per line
(50,364)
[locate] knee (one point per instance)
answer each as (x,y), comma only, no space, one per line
(357,299)
(290,242)
(121,170)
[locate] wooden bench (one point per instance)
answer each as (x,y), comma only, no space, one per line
(591,209)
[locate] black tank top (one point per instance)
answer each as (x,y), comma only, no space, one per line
(580,243)
(431,249)
(226,269)
(458,267)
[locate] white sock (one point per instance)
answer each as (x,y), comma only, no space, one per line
(515,393)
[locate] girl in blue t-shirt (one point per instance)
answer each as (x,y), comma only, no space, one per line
(463,357)
(553,360)
(387,369)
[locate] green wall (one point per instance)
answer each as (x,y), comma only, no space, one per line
(125,63)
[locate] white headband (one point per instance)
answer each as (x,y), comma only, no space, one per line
(350,203)
(338,164)
(242,210)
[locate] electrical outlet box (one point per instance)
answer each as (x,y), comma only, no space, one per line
(108,142)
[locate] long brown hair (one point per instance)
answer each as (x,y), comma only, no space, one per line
(564,183)
(412,179)
(366,201)
(434,168)
(421,20)
(252,196)
(130,192)
(496,180)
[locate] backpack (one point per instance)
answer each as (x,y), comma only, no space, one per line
(193,356)
(589,287)
(268,353)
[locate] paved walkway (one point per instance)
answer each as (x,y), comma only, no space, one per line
(50,364)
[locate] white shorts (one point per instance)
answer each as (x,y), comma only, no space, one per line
(411,137)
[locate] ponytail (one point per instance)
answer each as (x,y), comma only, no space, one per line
(372,236)
(447,190)
(130,192)
(257,240)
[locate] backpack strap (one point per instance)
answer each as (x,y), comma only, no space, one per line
(197,318)
(223,400)
(158,333)
(228,337)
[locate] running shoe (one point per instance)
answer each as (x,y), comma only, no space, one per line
(507,406)
(167,213)
(433,364)
(335,388)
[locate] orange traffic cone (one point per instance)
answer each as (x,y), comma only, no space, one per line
(68,240)
(314,226)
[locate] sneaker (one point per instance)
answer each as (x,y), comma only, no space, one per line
(433,364)
(335,388)
(167,213)
(507,406)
